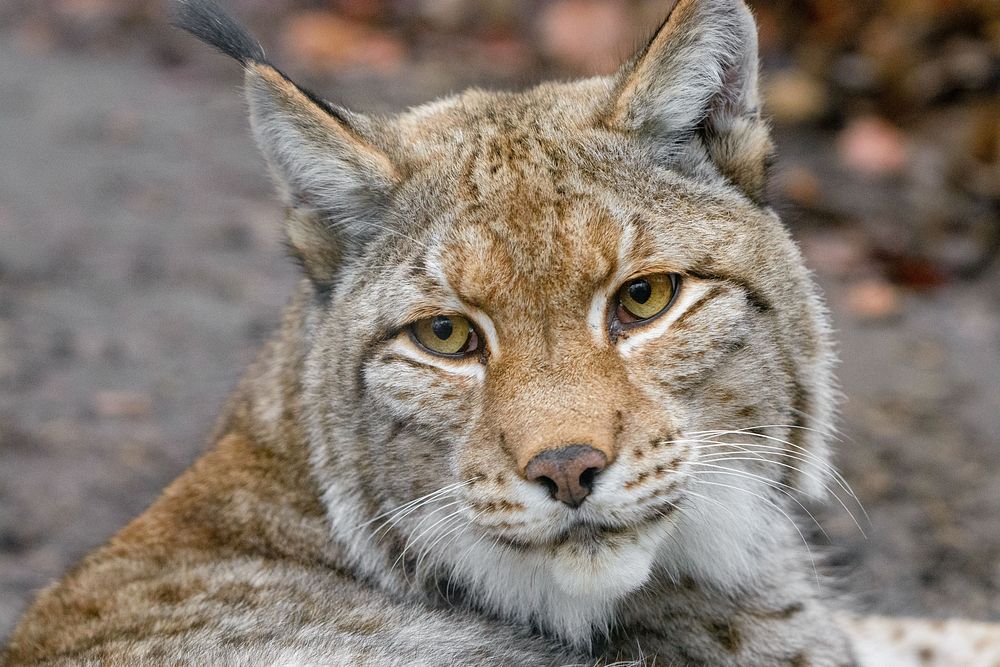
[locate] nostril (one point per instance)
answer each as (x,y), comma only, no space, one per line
(549,485)
(567,473)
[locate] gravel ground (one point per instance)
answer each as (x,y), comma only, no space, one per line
(141,266)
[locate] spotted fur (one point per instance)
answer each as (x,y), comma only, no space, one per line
(366,501)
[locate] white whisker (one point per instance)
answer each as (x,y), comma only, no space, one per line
(751,429)
(429,496)
(415,540)
(777,486)
(335,224)
(809,457)
(775,506)
(460,523)
(721,458)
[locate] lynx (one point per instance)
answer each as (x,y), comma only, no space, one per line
(551,390)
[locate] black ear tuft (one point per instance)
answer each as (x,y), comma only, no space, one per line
(211,24)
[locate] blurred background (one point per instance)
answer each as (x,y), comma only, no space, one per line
(141,261)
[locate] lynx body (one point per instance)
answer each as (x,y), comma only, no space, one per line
(580,480)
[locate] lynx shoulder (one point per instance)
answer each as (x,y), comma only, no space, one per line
(551,389)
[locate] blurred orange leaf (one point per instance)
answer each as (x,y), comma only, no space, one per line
(323,40)
(872,146)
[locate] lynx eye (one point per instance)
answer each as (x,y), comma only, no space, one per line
(646,297)
(445,335)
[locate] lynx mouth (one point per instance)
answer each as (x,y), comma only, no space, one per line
(584,534)
(593,535)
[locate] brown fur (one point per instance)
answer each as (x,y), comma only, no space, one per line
(366,501)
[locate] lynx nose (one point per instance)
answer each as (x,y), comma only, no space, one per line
(567,472)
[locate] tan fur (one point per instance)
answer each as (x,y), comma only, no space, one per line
(366,501)
(911,642)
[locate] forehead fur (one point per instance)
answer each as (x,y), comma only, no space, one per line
(524,186)
(547,109)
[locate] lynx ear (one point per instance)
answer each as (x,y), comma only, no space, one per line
(335,181)
(330,173)
(697,81)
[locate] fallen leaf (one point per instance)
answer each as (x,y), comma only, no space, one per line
(362,10)
(323,40)
(873,299)
(792,96)
(872,146)
(917,272)
(586,35)
(801,186)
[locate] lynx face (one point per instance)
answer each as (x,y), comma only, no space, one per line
(556,341)
(536,267)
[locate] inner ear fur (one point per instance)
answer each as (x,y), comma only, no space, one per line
(333,178)
(327,165)
(697,81)
(315,148)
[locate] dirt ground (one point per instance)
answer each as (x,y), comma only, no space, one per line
(141,266)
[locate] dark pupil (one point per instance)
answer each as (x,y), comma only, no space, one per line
(441,326)
(640,291)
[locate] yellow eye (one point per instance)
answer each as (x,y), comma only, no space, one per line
(646,297)
(447,335)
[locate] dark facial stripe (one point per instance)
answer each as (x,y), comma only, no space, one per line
(754,298)
(390,357)
(708,296)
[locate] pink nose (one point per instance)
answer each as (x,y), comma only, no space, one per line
(567,472)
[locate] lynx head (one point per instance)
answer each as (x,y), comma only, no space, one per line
(556,339)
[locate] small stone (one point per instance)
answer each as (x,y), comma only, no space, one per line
(123,403)
(505,55)
(969,63)
(122,126)
(445,14)
(33,36)
(87,10)
(835,253)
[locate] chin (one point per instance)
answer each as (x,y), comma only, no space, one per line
(606,563)
(569,583)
